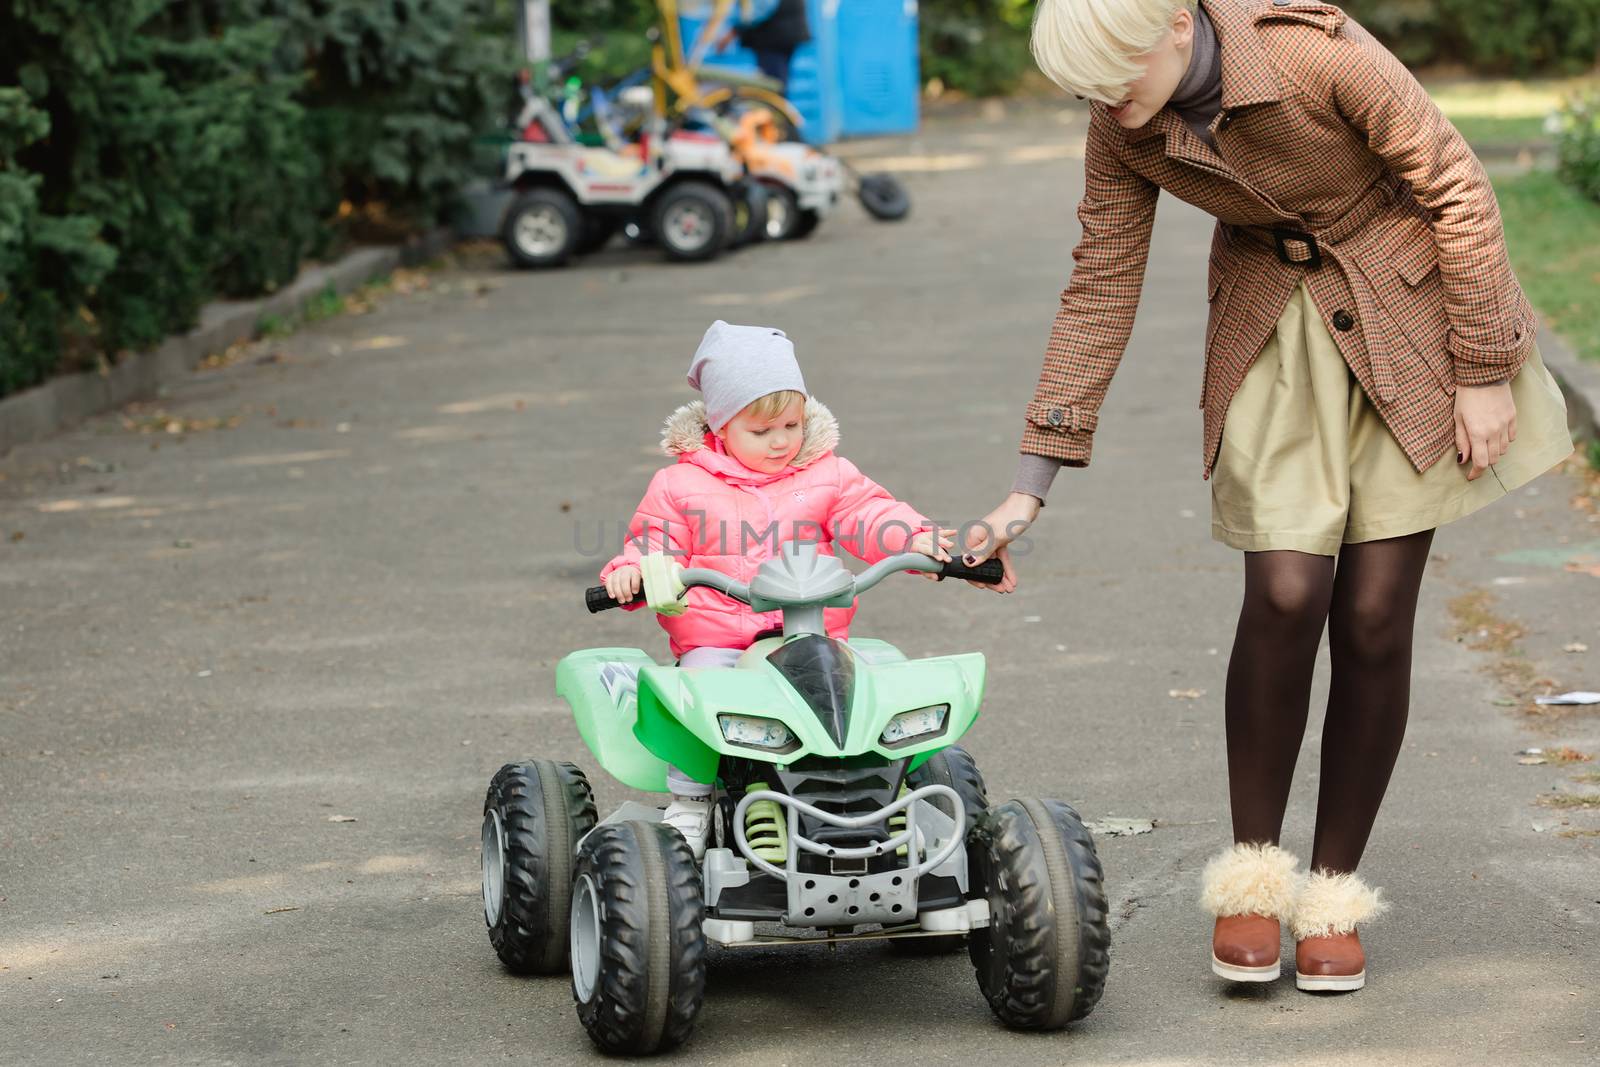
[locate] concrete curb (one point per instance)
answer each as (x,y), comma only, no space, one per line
(65,402)
(1579,380)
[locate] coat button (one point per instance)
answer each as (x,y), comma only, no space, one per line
(1225,122)
(1343,320)
(1281,3)
(1056,416)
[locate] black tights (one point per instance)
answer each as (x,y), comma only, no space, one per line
(1369,602)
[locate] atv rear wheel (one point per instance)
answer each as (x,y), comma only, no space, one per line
(1042,961)
(543,228)
(533,816)
(638,951)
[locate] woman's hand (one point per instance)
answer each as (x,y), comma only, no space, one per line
(1486,424)
(940,549)
(623,584)
(998,529)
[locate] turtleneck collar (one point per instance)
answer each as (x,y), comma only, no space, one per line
(1198,97)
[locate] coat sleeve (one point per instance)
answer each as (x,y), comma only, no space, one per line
(658,525)
(867,520)
(1096,313)
(1491,326)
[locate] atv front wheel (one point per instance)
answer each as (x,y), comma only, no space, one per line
(638,952)
(749,213)
(533,816)
(1042,961)
(955,768)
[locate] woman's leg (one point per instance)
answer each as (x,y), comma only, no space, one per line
(1286,597)
(1370,629)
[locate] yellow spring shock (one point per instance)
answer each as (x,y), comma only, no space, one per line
(766,828)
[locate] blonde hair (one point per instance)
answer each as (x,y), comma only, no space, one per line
(772,405)
(1088,47)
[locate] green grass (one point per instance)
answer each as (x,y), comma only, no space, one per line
(1504,112)
(1553,235)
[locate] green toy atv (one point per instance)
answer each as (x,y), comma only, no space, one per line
(845,811)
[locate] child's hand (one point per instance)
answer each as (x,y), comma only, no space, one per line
(924,542)
(624,583)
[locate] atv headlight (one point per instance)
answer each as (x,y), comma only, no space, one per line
(758,733)
(911,725)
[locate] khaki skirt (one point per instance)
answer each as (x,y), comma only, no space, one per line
(1307,464)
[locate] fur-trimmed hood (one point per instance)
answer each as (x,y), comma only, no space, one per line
(686,430)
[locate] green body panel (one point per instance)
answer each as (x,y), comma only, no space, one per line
(675,718)
(607,724)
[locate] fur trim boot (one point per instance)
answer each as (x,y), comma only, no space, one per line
(1251,890)
(1328,953)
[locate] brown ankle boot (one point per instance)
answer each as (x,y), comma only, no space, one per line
(1245,948)
(1332,964)
(1328,956)
(1251,890)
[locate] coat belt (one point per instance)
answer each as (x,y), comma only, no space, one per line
(1288,240)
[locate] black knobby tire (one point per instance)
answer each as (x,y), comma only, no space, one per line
(543,809)
(749,213)
(1042,961)
(597,233)
(884,197)
(543,228)
(648,951)
(955,768)
(712,210)
(805,224)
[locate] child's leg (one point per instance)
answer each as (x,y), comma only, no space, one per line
(1286,596)
(681,784)
(1370,630)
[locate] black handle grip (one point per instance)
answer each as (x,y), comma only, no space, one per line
(595,598)
(989,572)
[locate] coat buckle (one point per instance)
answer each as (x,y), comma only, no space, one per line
(1313,258)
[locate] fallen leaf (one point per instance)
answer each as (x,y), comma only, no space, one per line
(368,344)
(16,535)
(342,818)
(279,911)
(1576,646)
(1532,761)
(1186,694)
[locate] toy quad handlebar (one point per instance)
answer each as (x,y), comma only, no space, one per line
(989,572)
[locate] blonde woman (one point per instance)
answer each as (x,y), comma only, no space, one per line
(1370,374)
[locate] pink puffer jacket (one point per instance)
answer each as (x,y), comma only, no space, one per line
(710,510)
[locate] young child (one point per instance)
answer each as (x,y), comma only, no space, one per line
(755,468)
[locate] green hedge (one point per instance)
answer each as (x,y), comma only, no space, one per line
(157,153)
(1579,145)
(1491,36)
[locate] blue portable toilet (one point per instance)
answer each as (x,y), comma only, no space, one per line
(858,75)
(878,70)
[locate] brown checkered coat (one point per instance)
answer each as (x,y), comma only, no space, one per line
(1321,131)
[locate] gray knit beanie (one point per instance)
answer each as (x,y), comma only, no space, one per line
(737,364)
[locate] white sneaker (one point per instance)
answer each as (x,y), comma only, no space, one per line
(691,817)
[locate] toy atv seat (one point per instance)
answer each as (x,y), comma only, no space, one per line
(845,811)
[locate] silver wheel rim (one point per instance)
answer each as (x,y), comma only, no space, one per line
(494,868)
(777,218)
(585,938)
(541,231)
(688,225)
